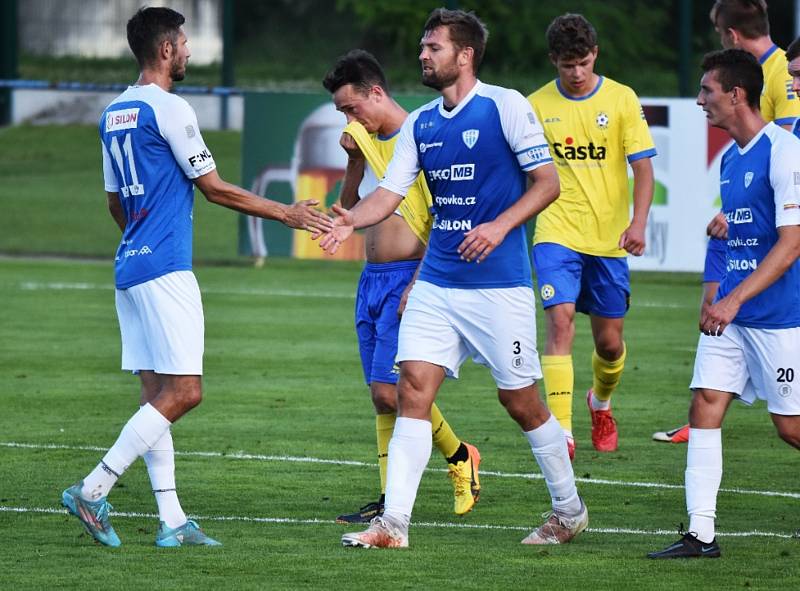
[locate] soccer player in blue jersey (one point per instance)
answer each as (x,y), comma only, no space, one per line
(744,24)
(751,333)
(473,296)
(153,152)
(393,248)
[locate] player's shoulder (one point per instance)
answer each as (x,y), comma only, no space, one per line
(431,107)
(774,62)
(506,101)
(617,89)
(782,141)
(547,91)
(497,93)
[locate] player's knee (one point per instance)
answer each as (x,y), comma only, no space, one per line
(189,397)
(384,398)
(609,345)
(789,431)
(561,327)
(524,406)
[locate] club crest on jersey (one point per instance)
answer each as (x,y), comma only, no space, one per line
(470,137)
(601,120)
(748,178)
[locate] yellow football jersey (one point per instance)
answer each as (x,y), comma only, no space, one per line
(591,140)
(416,207)
(778,102)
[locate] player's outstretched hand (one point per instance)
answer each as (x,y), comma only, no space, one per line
(632,239)
(714,318)
(481,240)
(341,230)
(303,216)
(718,227)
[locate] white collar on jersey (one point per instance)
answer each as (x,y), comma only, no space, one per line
(460,106)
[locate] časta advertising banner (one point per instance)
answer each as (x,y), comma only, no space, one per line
(291,152)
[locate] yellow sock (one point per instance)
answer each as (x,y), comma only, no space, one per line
(606,374)
(559,381)
(443,437)
(384,426)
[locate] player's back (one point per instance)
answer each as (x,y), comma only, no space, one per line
(151,151)
(778,101)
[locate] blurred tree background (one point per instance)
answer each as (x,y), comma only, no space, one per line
(290,44)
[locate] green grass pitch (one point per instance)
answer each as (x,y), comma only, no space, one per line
(286,441)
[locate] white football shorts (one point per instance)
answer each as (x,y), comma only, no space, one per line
(496,327)
(162,326)
(752,363)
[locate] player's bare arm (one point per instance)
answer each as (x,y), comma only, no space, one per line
(633,238)
(374,208)
(716,317)
(116,210)
(718,227)
(481,240)
(300,215)
(353,173)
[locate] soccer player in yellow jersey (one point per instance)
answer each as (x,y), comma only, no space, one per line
(394,249)
(595,127)
(744,24)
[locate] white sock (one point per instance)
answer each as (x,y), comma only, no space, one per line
(703,476)
(409,452)
(160,462)
(138,435)
(550,450)
(599,404)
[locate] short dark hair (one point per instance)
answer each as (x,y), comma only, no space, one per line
(356,67)
(793,51)
(571,36)
(749,17)
(148,28)
(465,29)
(736,68)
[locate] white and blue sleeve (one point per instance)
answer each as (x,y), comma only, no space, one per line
(109,176)
(784,176)
(522,130)
(178,124)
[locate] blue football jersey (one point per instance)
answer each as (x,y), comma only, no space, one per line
(152,149)
(474,158)
(760,188)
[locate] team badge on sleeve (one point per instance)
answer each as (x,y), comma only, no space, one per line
(547,291)
(470,137)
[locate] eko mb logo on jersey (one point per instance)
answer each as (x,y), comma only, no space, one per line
(457,172)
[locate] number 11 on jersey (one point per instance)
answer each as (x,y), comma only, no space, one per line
(133,187)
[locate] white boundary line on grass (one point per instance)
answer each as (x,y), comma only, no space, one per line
(434,524)
(37,286)
(40,286)
(311,460)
